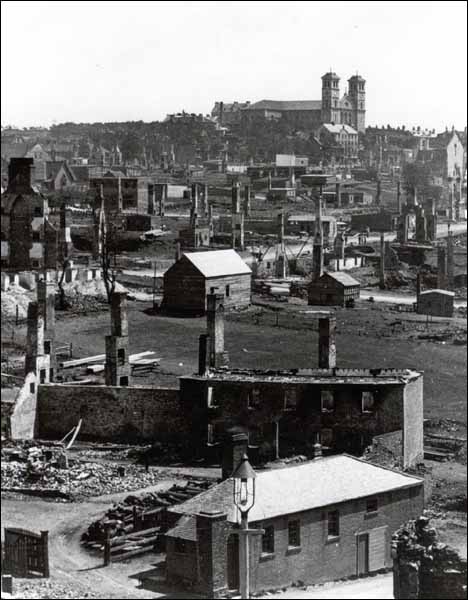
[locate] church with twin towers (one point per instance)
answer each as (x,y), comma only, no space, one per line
(335,108)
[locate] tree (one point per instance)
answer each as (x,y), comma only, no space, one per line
(416,176)
(107,250)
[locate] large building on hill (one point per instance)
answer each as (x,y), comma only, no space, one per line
(336,108)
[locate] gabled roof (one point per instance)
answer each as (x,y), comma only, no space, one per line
(319,483)
(338,128)
(53,167)
(218,263)
(284,105)
(342,278)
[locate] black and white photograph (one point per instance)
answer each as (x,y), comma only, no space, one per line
(234,299)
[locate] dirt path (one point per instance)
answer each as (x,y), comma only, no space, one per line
(70,564)
(379,587)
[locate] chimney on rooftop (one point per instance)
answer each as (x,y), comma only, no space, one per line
(327,343)
(20,172)
(235,445)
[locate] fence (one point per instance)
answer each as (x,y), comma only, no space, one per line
(26,553)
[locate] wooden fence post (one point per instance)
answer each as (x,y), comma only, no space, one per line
(45,552)
(107,546)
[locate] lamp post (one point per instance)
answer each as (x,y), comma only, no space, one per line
(244,499)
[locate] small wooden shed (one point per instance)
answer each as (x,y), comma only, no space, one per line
(334,289)
(190,279)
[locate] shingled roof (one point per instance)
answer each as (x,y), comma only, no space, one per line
(316,484)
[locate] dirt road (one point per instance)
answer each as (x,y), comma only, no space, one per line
(378,587)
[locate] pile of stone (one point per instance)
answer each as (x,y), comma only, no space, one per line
(424,567)
(50,472)
(48,588)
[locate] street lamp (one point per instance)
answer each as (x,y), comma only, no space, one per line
(244,499)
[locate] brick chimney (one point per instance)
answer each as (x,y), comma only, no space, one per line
(327,343)
(20,174)
(117,368)
(215,329)
(235,445)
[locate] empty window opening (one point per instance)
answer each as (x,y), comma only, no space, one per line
(36,236)
(124,381)
(37,211)
(181,546)
(368,402)
(326,438)
(333,519)
(121,356)
(228,291)
(328,401)
(51,374)
(294,534)
(210,398)
(290,399)
(372,505)
(253,399)
(42,375)
(47,347)
(32,388)
(268,540)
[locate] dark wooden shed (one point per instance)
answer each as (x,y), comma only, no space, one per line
(189,280)
(334,289)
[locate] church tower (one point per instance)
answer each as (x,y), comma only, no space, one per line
(357,95)
(331,98)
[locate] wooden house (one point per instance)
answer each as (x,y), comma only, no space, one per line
(437,303)
(334,289)
(190,279)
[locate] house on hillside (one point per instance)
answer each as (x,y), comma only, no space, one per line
(59,176)
(324,520)
(334,289)
(190,279)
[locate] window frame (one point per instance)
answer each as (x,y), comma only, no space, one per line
(372,505)
(333,518)
(296,523)
(268,540)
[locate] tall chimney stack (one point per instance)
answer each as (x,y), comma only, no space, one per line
(441,268)
(235,446)
(327,343)
(382,262)
(215,329)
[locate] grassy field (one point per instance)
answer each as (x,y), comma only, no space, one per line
(371,336)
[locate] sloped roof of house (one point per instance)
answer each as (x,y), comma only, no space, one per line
(285,105)
(342,278)
(54,166)
(338,128)
(218,263)
(319,483)
(438,292)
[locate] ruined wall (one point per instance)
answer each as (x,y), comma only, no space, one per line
(111,413)
(23,417)
(423,567)
(413,430)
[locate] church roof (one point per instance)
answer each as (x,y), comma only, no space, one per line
(285,105)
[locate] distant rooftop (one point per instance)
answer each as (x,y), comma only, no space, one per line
(284,105)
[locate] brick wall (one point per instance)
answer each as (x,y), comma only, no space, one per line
(319,560)
(111,413)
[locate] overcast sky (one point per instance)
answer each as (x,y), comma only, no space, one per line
(117,61)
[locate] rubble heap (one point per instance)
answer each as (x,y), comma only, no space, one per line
(48,471)
(424,567)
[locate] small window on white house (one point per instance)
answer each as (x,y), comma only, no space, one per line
(368,402)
